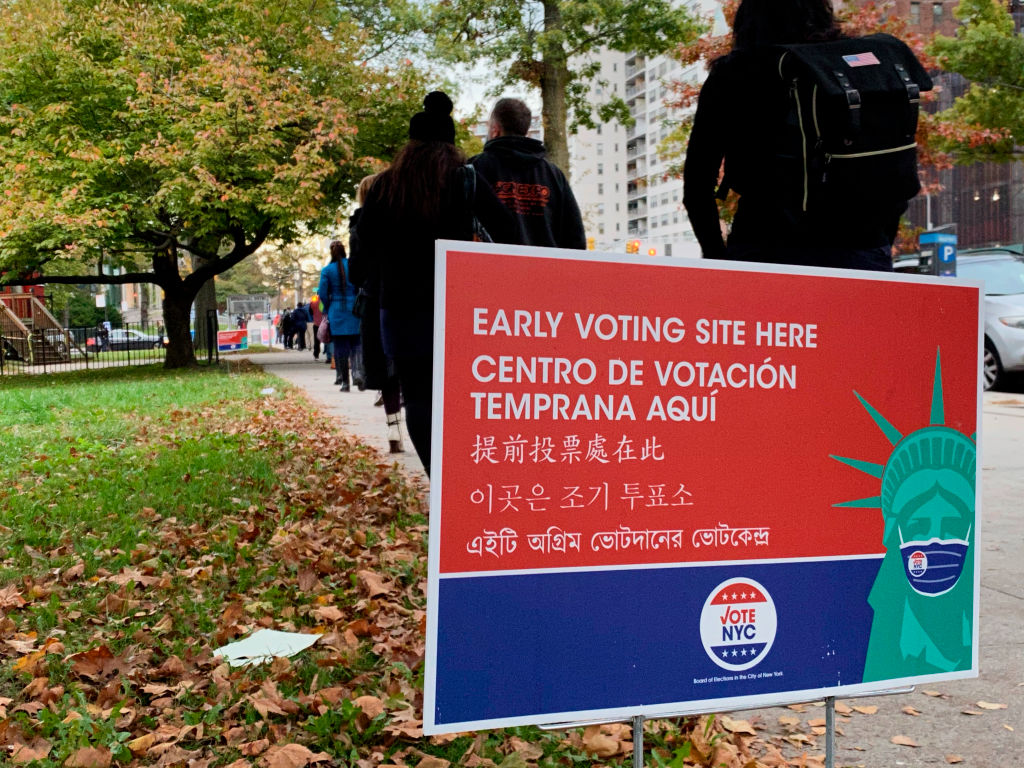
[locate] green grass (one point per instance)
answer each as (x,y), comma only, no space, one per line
(176,498)
(81,471)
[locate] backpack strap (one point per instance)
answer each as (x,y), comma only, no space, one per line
(852,99)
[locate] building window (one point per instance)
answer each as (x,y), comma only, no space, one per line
(600,188)
(616,207)
(915,13)
(600,229)
(598,129)
(668,249)
(937,13)
(618,227)
(600,149)
(600,169)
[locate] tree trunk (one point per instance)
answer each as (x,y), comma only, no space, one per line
(553,81)
(144,304)
(177,306)
(205,301)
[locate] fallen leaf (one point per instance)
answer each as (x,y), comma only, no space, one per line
(818,722)
(254,748)
(140,745)
(38,749)
(971,712)
(292,756)
(1008,727)
(528,750)
(598,743)
(991,705)
(954,759)
(328,613)
(737,726)
(866,710)
(843,709)
(933,694)
(371,705)
(909,710)
(789,721)
(89,757)
(904,741)
(433,762)
(373,583)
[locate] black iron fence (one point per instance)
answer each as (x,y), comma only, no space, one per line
(54,350)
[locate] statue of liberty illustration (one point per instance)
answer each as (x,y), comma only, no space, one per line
(923,609)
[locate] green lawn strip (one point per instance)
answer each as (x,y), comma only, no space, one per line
(155,516)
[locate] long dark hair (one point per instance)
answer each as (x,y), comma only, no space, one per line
(775,22)
(418,175)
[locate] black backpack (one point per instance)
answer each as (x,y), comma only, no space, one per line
(846,148)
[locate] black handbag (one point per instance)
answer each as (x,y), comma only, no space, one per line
(359,303)
(478,231)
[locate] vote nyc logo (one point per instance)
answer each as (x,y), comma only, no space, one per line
(738,623)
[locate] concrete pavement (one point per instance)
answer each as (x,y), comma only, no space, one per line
(354,410)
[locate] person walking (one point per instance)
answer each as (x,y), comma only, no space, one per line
(420,198)
(338,295)
(753,114)
(534,190)
(317,317)
(300,322)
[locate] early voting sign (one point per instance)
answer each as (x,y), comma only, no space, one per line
(668,485)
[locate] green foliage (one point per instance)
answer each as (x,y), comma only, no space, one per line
(83,312)
(986,51)
(522,37)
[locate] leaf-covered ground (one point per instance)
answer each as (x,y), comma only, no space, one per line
(146,523)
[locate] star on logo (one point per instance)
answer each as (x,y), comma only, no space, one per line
(725,654)
(744,595)
(734,595)
(743,652)
(734,652)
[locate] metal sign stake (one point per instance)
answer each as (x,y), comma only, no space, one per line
(638,741)
(830,731)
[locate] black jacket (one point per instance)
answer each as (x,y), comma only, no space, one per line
(739,103)
(534,189)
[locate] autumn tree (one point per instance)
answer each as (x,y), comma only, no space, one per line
(550,45)
(988,52)
(140,137)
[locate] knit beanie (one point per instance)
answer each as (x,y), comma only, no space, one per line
(435,122)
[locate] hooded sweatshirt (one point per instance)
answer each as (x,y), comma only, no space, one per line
(534,190)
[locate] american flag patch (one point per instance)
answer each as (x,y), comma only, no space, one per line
(861,59)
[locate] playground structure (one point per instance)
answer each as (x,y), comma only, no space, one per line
(30,333)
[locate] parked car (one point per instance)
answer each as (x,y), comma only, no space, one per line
(122,338)
(1003,274)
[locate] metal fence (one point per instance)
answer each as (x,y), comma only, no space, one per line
(53,350)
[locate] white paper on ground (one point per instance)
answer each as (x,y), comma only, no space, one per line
(264,645)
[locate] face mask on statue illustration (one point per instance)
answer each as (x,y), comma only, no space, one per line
(933,567)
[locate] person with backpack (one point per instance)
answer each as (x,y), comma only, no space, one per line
(816,131)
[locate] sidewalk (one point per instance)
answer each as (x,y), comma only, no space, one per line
(354,410)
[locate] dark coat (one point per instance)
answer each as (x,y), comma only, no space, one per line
(401,249)
(338,296)
(534,190)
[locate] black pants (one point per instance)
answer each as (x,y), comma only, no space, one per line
(416,374)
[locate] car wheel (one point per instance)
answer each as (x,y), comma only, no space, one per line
(991,367)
